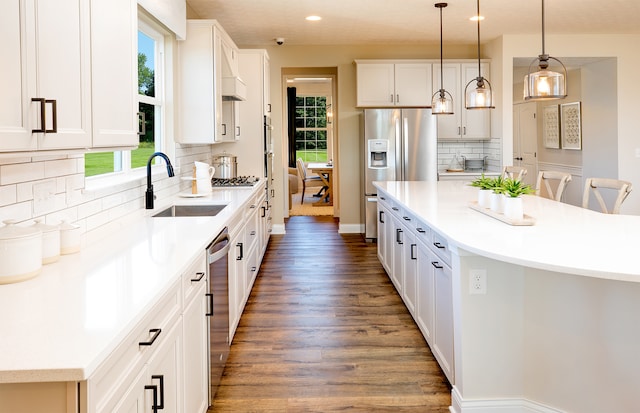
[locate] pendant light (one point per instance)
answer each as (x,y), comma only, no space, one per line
(480,97)
(441,101)
(545,84)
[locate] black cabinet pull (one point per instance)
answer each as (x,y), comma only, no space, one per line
(161,378)
(43,116)
(264,212)
(436,264)
(420,230)
(253,206)
(380,214)
(438,245)
(200,275)
(224,132)
(398,232)
(210,310)
(153,388)
(156,332)
(241,256)
(395,208)
(406,218)
(413,257)
(252,233)
(383,198)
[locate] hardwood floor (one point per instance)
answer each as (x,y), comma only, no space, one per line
(324,330)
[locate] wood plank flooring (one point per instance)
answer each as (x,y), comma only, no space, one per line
(324,331)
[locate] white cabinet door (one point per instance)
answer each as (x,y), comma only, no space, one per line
(443,321)
(375,84)
(237,277)
(230,126)
(266,91)
(425,305)
(413,84)
(165,370)
(62,70)
(137,399)
(16,82)
(449,126)
(384,235)
(464,124)
(196,349)
(409,285)
(397,266)
(114,73)
(476,123)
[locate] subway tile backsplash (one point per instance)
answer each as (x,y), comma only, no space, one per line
(471,150)
(54,188)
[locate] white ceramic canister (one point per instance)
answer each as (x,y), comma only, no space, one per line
(69,238)
(20,252)
(50,241)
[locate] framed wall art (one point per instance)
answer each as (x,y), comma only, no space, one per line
(571,126)
(551,125)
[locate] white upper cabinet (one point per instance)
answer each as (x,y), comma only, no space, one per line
(114,68)
(393,84)
(464,124)
(46,54)
(71,63)
(202,118)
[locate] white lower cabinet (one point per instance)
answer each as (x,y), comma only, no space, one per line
(195,325)
(418,262)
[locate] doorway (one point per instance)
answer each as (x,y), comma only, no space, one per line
(309,110)
(525,140)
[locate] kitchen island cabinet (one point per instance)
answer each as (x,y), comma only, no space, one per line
(555,329)
(74,345)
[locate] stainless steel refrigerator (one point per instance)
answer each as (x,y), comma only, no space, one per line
(399,145)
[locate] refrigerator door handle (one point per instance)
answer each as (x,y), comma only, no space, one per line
(405,146)
(399,156)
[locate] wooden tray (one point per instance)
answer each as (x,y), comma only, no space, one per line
(526,219)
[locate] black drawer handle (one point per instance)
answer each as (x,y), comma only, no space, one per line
(398,232)
(253,206)
(264,212)
(200,274)
(241,256)
(436,264)
(209,312)
(406,218)
(438,245)
(161,378)
(413,257)
(420,230)
(252,233)
(395,208)
(383,198)
(156,332)
(380,214)
(153,388)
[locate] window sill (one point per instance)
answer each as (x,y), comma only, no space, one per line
(99,185)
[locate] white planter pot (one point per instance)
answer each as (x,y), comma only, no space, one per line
(484,198)
(513,208)
(497,202)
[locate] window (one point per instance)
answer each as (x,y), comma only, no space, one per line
(311,128)
(150,108)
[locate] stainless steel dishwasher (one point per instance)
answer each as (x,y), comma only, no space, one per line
(218,313)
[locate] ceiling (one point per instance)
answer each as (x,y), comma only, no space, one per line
(260,22)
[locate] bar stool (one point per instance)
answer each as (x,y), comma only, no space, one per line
(559,180)
(514,172)
(595,184)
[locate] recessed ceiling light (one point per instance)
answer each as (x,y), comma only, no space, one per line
(313,18)
(476,18)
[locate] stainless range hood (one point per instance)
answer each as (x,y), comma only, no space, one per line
(233,88)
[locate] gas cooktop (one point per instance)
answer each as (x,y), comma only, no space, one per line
(237,181)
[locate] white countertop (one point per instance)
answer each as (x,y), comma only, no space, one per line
(565,238)
(60,325)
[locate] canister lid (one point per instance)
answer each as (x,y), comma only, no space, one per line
(13,231)
(44,227)
(66,226)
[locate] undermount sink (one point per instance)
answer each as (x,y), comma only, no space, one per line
(190,211)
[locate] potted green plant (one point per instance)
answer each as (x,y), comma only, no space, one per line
(496,197)
(513,189)
(485,186)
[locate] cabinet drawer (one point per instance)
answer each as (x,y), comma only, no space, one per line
(440,246)
(129,357)
(193,278)
(422,231)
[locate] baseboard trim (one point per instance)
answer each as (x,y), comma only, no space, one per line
(278,229)
(459,405)
(351,229)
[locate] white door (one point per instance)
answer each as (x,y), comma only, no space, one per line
(525,140)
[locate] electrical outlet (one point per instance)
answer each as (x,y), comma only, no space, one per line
(477,281)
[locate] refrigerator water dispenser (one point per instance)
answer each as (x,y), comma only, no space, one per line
(377,153)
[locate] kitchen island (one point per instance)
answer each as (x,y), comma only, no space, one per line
(557,328)
(73,337)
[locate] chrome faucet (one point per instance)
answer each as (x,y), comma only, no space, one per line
(149,197)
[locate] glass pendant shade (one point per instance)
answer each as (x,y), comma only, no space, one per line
(545,84)
(480,97)
(442,103)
